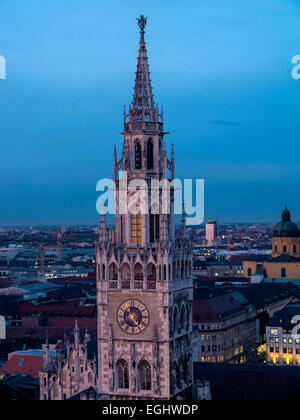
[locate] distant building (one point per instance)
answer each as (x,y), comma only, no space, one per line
(282,348)
(286,237)
(211,232)
(285,259)
(266,298)
(225,268)
(226,329)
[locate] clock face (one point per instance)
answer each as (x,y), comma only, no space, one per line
(133,317)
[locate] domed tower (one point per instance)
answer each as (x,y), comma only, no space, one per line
(286,237)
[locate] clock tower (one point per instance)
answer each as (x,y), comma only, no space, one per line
(144,270)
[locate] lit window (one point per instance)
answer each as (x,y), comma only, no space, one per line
(136,229)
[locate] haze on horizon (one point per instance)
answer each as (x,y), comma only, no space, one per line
(222,71)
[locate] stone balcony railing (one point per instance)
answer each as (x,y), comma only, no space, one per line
(133,285)
(146,285)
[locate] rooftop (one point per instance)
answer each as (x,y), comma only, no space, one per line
(283,318)
(25,363)
(216,309)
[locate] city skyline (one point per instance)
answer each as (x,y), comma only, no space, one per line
(224,80)
(119,288)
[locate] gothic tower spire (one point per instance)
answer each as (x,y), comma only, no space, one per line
(143,108)
(144,276)
(48,365)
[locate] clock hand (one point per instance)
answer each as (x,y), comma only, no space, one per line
(133,318)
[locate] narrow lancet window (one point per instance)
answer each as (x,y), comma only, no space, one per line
(138,156)
(150,154)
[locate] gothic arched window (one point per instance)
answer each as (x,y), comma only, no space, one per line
(138,155)
(145,376)
(138,272)
(150,154)
(151,272)
(182,318)
(122,374)
(103,271)
(175,320)
(126,275)
(154,227)
(113,272)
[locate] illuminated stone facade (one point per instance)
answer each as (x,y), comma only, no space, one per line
(144,274)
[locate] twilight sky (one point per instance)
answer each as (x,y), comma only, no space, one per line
(222,70)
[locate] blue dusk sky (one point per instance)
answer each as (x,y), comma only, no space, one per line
(222,70)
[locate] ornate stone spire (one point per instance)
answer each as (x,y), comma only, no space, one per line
(103,229)
(76,335)
(143,108)
(48,364)
(87,337)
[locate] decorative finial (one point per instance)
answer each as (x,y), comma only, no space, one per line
(142,21)
(286,215)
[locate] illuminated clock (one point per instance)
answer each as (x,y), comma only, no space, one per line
(133,317)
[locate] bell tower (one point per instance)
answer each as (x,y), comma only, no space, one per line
(144,272)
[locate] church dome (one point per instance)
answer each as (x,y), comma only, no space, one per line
(286,228)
